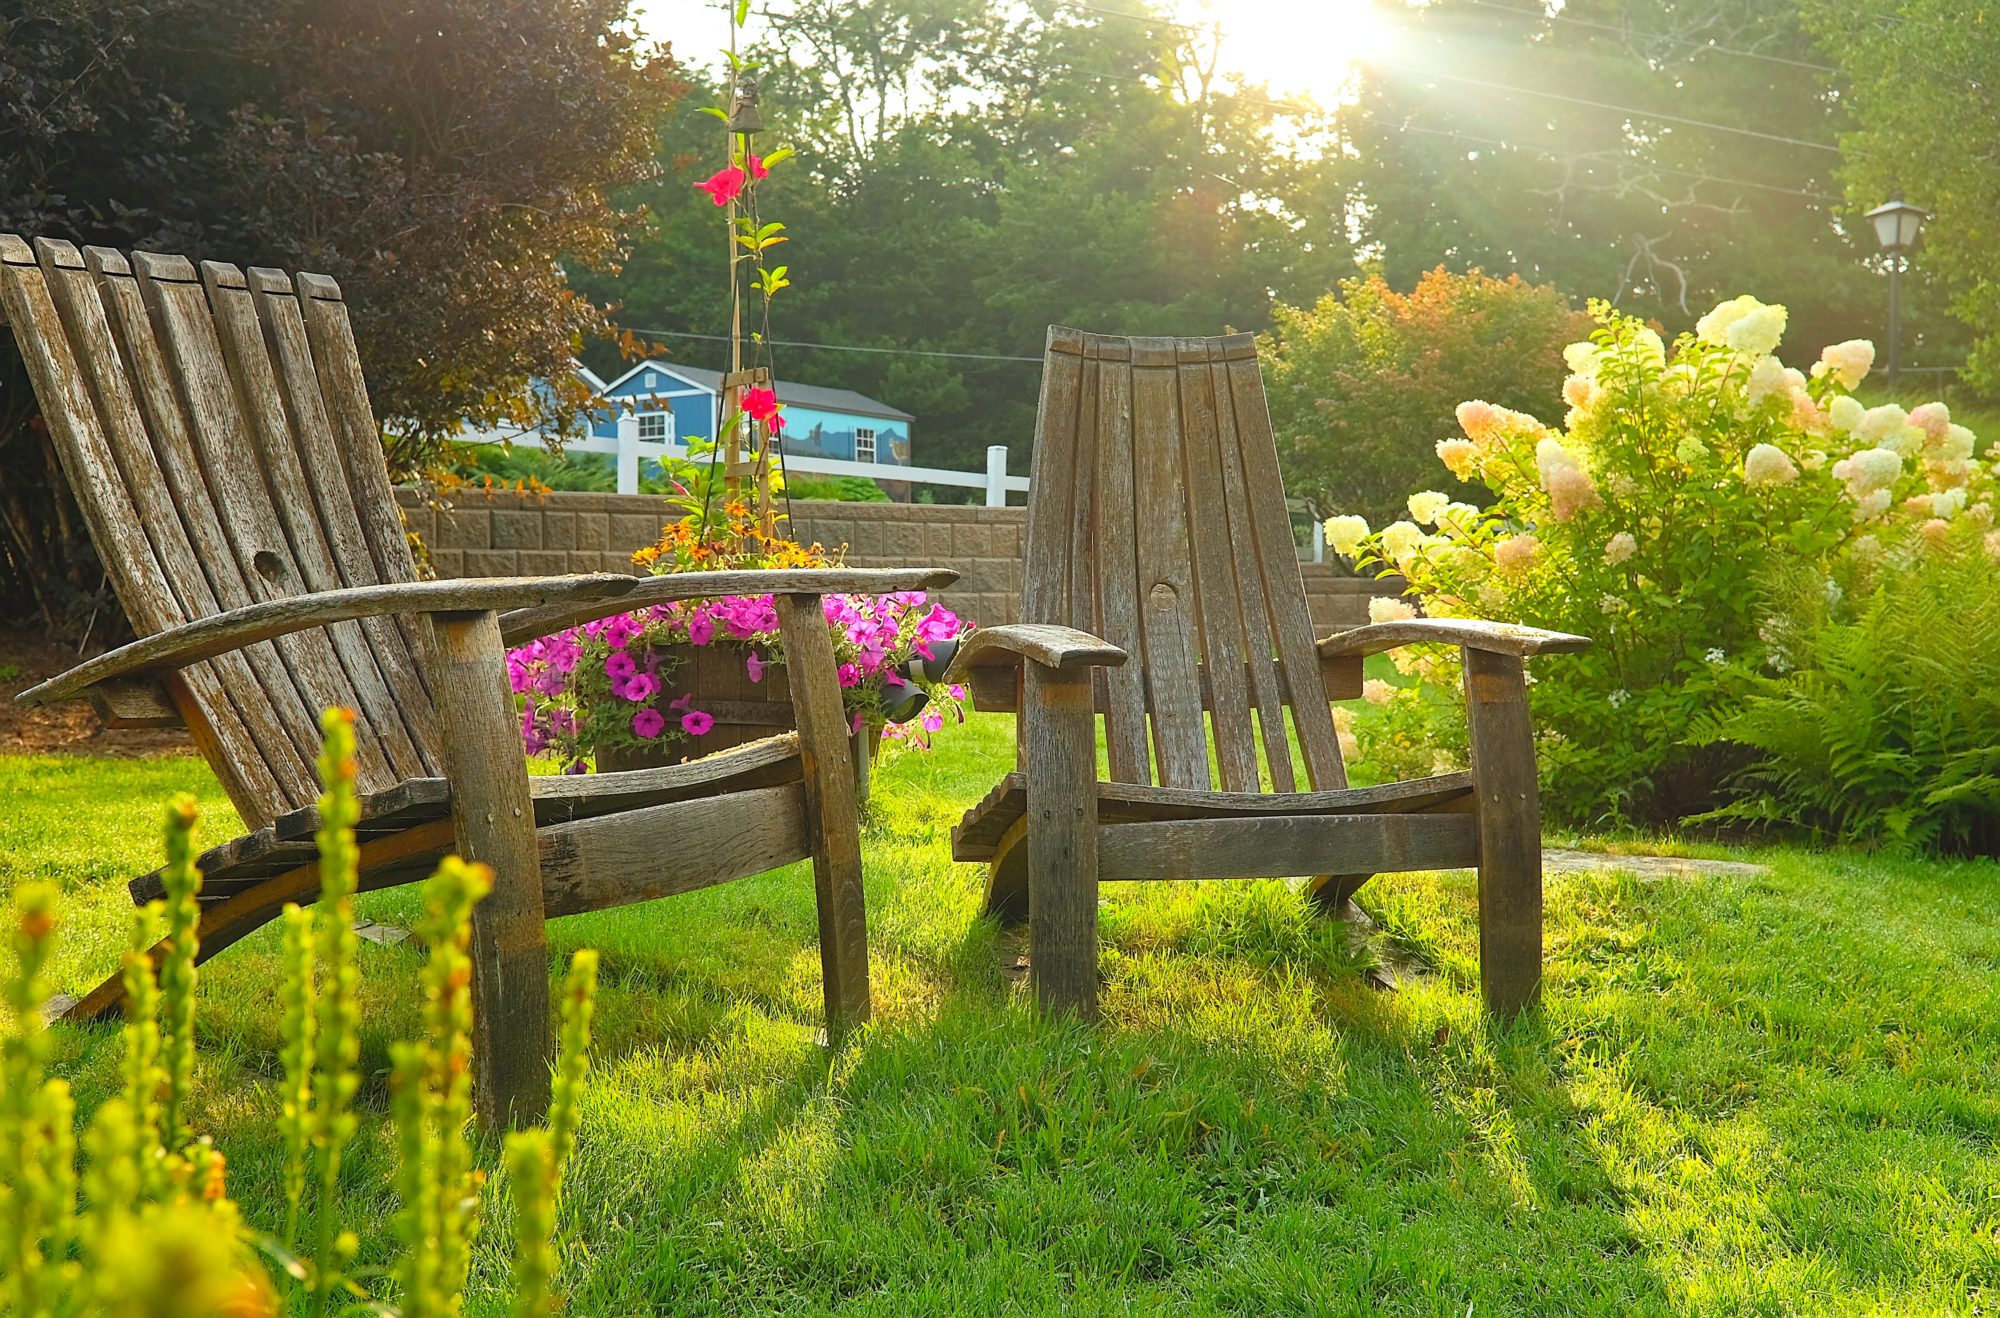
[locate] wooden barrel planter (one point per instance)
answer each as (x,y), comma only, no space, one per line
(718,675)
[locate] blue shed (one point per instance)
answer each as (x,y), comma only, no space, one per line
(675,403)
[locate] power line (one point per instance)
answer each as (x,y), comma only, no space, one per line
(1601,159)
(849,347)
(1668,37)
(1627,110)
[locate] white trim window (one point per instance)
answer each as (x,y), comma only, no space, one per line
(864,444)
(656,427)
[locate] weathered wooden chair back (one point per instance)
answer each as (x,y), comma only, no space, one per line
(217,435)
(1157,521)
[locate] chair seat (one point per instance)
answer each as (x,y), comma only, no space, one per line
(287,843)
(978,836)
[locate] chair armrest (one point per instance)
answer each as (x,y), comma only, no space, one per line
(1046,644)
(529,624)
(178,647)
(1472,633)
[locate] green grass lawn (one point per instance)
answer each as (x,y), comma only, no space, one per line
(1745,1095)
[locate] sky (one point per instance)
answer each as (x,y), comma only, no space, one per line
(1297,47)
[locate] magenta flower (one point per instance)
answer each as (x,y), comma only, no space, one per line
(696,723)
(755,666)
(933,720)
(724,186)
(648,723)
(638,688)
(619,631)
(849,675)
(701,630)
(618,665)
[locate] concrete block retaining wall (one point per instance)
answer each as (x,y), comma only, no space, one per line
(509,534)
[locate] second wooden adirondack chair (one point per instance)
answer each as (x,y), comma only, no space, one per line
(218,437)
(1163,592)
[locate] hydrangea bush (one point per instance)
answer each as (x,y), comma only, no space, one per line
(1677,480)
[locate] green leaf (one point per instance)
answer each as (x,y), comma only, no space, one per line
(783,153)
(716,111)
(742,11)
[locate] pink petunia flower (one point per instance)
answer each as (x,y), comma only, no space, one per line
(696,723)
(701,630)
(933,720)
(619,665)
(639,687)
(755,666)
(849,675)
(648,723)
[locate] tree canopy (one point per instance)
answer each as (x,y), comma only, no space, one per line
(444,161)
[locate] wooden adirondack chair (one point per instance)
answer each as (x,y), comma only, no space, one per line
(216,431)
(1162,583)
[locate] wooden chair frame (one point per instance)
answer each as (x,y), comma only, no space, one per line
(217,434)
(1164,597)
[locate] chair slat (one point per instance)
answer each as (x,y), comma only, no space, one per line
(76,429)
(243,503)
(319,452)
(231,701)
(1045,583)
(379,731)
(1165,584)
(359,440)
(1219,607)
(1265,696)
(1116,566)
(283,710)
(1284,590)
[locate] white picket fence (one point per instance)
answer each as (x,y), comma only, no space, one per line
(628,452)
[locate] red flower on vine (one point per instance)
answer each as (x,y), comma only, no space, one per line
(758,169)
(725,186)
(760,404)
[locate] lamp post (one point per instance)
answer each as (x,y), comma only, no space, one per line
(1897,224)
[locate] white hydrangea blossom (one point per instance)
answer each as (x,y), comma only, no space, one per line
(1948,503)
(1400,541)
(1425,505)
(1878,423)
(1767,377)
(1385,608)
(1848,363)
(1846,413)
(1715,656)
(1766,464)
(1619,548)
(1344,534)
(1377,692)
(1743,323)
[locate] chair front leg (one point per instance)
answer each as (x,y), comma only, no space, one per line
(832,817)
(493,820)
(1059,754)
(1508,817)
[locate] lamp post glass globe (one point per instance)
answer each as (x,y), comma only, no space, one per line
(1897,224)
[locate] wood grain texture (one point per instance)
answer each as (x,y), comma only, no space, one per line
(135,705)
(1007,875)
(79,434)
(528,624)
(238,628)
(1062,841)
(1471,633)
(664,850)
(1275,847)
(1169,625)
(978,836)
(1047,644)
(1278,561)
(1218,604)
(832,822)
(494,825)
(1510,831)
(271,707)
(226,704)
(327,475)
(1116,567)
(236,479)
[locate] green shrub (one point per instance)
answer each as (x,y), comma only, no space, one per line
(1678,481)
(1881,721)
(1363,384)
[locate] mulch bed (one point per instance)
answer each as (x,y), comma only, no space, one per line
(70,728)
